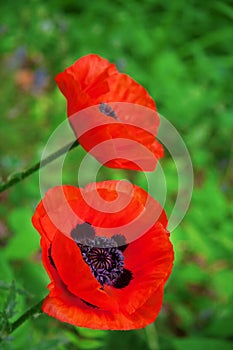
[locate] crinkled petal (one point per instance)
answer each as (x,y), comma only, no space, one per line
(66,308)
(150,258)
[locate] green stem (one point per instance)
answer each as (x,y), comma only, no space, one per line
(36,309)
(20,176)
(11,327)
(152,337)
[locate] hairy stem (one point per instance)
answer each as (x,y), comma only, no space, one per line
(22,175)
(11,327)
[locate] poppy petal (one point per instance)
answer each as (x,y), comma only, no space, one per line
(153,264)
(124,89)
(66,308)
(71,269)
(84,81)
(108,206)
(129,142)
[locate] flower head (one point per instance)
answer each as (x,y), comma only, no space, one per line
(113,117)
(107,252)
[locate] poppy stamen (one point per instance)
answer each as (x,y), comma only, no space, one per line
(104,258)
(107,110)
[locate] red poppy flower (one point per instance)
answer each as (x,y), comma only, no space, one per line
(107,267)
(110,110)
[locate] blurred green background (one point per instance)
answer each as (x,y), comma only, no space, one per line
(181,51)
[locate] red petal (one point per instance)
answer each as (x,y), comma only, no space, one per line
(115,147)
(102,82)
(76,274)
(40,212)
(45,245)
(111,206)
(71,89)
(84,81)
(124,89)
(128,142)
(91,69)
(54,213)
(150,269)
(67,308)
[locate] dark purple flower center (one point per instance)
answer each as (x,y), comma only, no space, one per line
(103,255)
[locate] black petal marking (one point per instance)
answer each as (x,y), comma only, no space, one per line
(89,304)
(107,110)
(121,242)
(50,256)
(124,279)
(83,231)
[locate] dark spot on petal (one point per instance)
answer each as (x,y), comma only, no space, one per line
(121,242)
(107,110)
(124,279)
(89,304)
(82,231)
(50,256)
